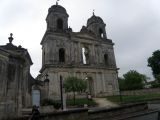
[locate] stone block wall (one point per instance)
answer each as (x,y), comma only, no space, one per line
(141,92)
(128,112)
(106,114)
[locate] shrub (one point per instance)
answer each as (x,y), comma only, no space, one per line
(155,85)
(56,104)
(46,102)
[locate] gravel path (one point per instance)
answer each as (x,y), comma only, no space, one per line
(103,102)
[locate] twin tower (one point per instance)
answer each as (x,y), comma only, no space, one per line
(87,54)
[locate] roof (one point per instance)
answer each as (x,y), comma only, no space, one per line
(94,19)
(57,8)
(12,49)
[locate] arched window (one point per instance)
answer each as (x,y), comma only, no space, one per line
(85,55)
(101,33)
(106,59)
(61,55)
(60,24)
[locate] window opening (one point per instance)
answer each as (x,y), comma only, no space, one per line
(60,24)
(106,59)
(101,33)
(61,55)
(85,55)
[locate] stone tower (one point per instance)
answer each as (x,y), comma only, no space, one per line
(87,54)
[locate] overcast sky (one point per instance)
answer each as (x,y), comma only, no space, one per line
(133,25)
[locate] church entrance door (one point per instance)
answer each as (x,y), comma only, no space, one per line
(36,97)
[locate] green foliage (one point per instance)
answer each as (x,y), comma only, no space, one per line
(46,102)
(155,85)
(132,80)
(54,103)
(81,102)
(121,83)
(154,63)
(73,84)
(158,78)
(57,104)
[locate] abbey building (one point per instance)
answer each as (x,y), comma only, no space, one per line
(87,54)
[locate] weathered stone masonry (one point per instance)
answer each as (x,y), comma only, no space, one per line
(87,54)
(15,79)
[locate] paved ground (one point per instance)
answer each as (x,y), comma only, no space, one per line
(103,102)
(154,106)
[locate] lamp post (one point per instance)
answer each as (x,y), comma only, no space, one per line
(120,95)
(61,91)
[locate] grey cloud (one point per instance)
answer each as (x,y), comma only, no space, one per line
(133,25)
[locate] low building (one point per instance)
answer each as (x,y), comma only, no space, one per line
(15,79)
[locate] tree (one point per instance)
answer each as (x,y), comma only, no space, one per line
(154,63)
(74,84)
(134,80)
(121,83)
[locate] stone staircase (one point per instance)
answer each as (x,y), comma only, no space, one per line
(26,112)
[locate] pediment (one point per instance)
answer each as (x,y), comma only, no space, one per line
(86,36)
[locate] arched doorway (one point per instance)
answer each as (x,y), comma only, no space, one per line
(90,85)
(36,97)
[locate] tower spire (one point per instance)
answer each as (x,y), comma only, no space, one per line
(93,12)
(10,38)
(57,2)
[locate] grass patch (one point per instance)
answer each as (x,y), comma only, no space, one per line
(134,98)
(81,102)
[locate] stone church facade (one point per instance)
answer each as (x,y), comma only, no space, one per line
(87,54)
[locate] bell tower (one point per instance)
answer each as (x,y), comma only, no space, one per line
(96,25)
(57,18)
(53,47)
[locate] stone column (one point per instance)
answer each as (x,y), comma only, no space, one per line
(95,49)
(96,83)
(72,52)
(93,53)
(79,53)
(57,84)
(67,57)
(103,82)
(81,75)
(75,52)
(100,54)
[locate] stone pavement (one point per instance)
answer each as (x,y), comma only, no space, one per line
(103,102)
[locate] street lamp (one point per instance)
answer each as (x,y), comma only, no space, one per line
(120,95)
(61,90)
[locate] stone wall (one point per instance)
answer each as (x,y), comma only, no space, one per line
(142,91)
(128,112)
(103,114)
